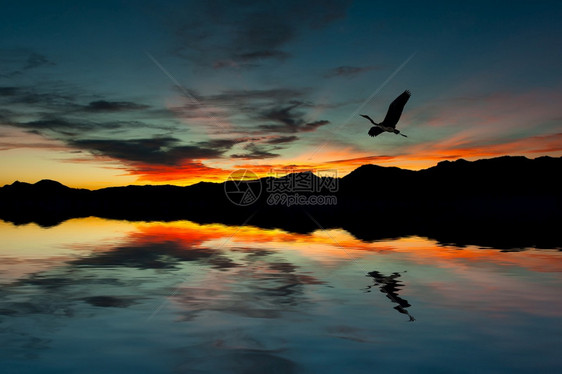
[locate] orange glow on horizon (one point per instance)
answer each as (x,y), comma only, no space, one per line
(415,157)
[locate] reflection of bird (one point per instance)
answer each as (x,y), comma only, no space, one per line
(392,116)
(390,285)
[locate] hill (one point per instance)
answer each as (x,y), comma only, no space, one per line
(503,202)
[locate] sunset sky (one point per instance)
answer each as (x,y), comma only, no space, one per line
(105,93)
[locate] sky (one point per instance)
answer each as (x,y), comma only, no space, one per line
(108,93)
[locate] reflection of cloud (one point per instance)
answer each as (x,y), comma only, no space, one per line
(109,301)
(230,355)
(262,274)
(251,282)
(153,255)
(264,288)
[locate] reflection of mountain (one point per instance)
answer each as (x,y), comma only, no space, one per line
(505,202)
(390,285)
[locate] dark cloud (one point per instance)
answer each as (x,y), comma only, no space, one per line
(288,119)
(348,71)
(250,60)
(60,125)
(247,97)
(6,116)
(305,127)
(113,106)
(279,110)
(36,60)
(60,100)
(9,91)
(79,126)
(49,99)
(85,126)
(57,113)
(282,139)
(283,107)
(265,54)
(254,151)
(232,33)
(156,150)
(17,61)
(223,144)
(62,129)
(76,120)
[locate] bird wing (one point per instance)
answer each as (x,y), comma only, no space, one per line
(375,130)
(395,110)
(369,118)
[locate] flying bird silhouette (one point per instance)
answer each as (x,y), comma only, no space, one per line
(392,116)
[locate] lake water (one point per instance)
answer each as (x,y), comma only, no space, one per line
(102,296)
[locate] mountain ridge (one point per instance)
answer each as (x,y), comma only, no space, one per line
(441,165)
(497,199)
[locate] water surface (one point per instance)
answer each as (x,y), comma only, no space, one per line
(94,295)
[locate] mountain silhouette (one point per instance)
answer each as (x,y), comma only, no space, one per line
(507,202)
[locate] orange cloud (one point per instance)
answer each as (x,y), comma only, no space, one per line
(184,174)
